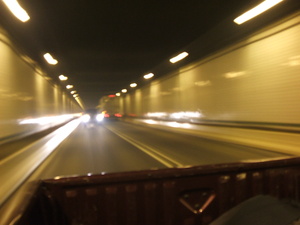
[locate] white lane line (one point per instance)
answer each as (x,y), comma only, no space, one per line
(14,170)
(165,160)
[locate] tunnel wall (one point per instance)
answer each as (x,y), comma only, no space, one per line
(29,101)
(254,81)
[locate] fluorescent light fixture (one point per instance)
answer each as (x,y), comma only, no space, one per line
(50,59)
(262,7)
(149,75)
(179,57)
(62,77)
(17,10)
(76,95)
(124,90)
(133,85)
(118,94)
(73,92)
(69,86)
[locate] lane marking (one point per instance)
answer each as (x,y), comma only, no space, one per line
(165,160)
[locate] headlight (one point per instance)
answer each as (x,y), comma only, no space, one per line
(85,118)
(99,117)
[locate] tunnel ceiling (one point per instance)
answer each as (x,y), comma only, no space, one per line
(104,45)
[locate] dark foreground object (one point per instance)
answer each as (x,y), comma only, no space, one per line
(185,196)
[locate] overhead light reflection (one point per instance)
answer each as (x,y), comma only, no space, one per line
(17,10)
(133,85)
(62,77)
(179,57)
(262,7)
(149,75)
(50,59)
(235,74)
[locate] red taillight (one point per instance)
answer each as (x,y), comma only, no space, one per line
(106,115)
(118,115)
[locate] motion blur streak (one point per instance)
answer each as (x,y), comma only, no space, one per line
(264,6)
(180,125)
(46,120)
(15,169)
(179,57)
(50,59)
(17,10)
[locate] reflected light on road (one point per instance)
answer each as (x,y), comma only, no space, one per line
(61,134)
(17,10)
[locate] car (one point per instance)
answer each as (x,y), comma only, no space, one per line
(92,117)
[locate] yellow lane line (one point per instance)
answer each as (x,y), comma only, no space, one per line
(165,160)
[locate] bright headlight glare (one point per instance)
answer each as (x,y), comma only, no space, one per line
(99,117)
(85,118)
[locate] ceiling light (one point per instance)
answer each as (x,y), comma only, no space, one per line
(124,90)
(148,76)
(73,92)
(50,59)
(133,85)
(118,94)
(62,77)
(76,95)
(69,86)
(179,57)
(265,5)
(17,10)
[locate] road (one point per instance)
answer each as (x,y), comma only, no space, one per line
(75,149)
(119,146)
